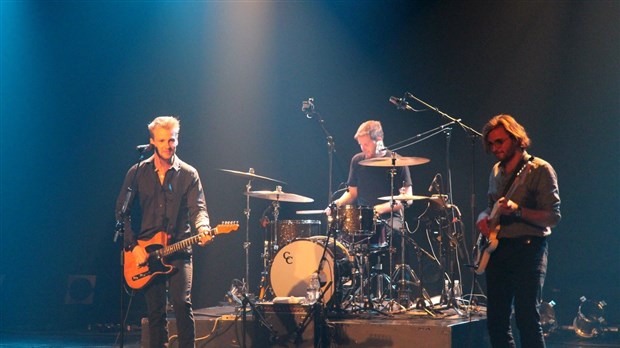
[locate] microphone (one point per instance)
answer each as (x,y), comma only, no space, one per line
(380,149)
(307,107)
(434,184)
(144,148)
(401,103)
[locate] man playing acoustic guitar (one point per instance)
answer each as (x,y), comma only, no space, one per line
(524,203)
(171,202)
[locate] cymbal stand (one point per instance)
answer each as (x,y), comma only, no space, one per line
(269,251)
(421,301)
(332,233)
(364,292)
(392,305)
(402,270)
(450,252)
(246,244)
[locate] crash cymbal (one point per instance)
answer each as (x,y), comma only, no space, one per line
(402,197)
(278,195)
(250,175)
(310,212)
(398,161)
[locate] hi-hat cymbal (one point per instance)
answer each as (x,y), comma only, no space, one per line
(403,197)
(394,162)
(278,195)
(250,175)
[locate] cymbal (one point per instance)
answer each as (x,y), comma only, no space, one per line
(310,212)
(250,175)
(399,161)
(402,197)
(278,195)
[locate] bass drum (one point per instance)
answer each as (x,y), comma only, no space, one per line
(293,265)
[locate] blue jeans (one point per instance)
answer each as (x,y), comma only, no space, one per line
(515,275)
(179,295)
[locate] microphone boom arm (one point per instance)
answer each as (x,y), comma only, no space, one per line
(465,127)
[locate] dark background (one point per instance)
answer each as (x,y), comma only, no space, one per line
(81,80)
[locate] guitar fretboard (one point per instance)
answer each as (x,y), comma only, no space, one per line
(171,249)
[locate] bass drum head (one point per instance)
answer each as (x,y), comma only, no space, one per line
(293,265)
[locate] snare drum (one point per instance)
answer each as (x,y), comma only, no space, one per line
(289,230)
(356,221)
(293,265)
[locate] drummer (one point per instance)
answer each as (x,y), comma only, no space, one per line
(367,183)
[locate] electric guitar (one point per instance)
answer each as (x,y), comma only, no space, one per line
(485,246)
(137,276)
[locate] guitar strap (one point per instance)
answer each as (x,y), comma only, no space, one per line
(514,175)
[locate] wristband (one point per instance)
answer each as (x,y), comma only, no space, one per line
(518,213)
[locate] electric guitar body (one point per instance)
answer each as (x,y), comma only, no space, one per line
(138,276)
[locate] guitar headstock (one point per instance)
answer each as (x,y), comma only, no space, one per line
(226,226)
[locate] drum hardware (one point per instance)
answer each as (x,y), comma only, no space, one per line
(366,284)
(590,320)
(423,301)
(547,317)
(404,197)
(381,280)
(310,212)
(250,175)
(272,244)
(449,241)
(392,162)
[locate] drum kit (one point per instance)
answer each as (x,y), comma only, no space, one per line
(294,250)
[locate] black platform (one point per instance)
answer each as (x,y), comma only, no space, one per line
(224,327)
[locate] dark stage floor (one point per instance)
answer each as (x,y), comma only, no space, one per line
(89,339)
(103,337)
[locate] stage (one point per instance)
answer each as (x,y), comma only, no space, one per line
(282,325)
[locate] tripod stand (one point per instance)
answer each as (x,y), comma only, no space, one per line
(449,252)
(403,275)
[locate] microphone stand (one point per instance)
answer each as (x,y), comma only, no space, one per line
(119,231)
(246,300)
(308,109)
(473,134)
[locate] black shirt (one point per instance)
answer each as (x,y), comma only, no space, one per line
(174,206)
(374,182)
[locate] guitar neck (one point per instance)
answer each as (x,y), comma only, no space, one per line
(178,246)
(520,177)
